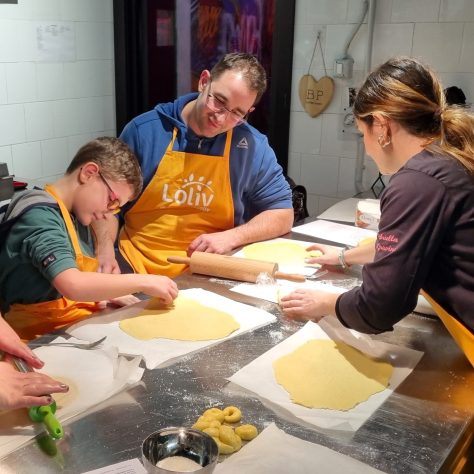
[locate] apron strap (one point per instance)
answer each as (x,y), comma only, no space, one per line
(228,142)
(69,226)
(171,143)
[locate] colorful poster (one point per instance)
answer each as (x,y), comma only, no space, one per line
(223,26)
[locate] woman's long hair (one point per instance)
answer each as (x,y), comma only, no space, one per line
(405,90)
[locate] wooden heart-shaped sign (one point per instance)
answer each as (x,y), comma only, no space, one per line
(315,95)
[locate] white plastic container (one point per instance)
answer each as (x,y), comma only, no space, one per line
(368,214)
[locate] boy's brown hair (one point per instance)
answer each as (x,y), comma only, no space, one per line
(114,158)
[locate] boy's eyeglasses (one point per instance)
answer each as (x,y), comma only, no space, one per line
(218,107)
(114,201)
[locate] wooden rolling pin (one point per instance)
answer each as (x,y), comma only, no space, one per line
(235,268)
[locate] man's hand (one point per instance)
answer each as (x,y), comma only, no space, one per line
(107,264)
(266,225)
(105,232)
(218,242)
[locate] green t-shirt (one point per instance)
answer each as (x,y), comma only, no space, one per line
(35,251)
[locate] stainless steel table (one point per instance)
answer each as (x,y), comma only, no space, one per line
(423,427)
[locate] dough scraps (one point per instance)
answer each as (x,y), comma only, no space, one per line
(65,399)
(283,253)
(185,320)
(333,375)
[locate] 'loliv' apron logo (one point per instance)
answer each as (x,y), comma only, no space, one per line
(194,193)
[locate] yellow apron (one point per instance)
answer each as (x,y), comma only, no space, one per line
(35,319)
(460,333)
(189,195)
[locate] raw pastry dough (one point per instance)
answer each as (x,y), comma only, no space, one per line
(215,413)
(246,432)
(232,414)
(333,375)
(227,438)
(283,253)
(186,320)
(65,399)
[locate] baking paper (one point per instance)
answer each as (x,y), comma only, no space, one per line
(94,375)
(161,352)
(258,376)
(275,452)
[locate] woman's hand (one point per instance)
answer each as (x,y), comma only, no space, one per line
(29,389)
(308,305)
(11,343)
(330,254)
(359,255)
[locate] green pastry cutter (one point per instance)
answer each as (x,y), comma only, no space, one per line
(42,414)
(45,414)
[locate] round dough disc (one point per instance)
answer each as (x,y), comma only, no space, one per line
(332,375)
(283,253)
(185,320)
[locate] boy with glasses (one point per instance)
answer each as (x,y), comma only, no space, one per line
(48,271)
(211,181)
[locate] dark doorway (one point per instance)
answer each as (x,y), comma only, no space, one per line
(146,62)
(161,51)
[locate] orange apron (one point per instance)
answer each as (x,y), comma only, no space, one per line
(460,333)
(189,195)
(32,320)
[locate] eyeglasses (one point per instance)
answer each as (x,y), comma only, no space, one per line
(217,106)
(114,201)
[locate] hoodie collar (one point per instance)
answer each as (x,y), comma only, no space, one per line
(171,112)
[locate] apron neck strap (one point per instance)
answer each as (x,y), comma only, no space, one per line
(173,138)
(69,225)
(228,141)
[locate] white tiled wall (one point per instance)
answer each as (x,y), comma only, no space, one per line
(440,32)
(48,109)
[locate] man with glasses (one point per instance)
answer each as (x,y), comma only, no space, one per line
(48,269)
(211,181)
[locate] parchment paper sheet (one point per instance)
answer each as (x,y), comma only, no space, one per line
(275,452)
(258,376)
(161,352)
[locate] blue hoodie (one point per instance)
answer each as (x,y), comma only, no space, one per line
(257,180)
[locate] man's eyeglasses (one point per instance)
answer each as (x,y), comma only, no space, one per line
(114,201)
(217,106)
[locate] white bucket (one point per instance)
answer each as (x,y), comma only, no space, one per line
(368,214)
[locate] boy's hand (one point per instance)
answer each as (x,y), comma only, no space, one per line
(160,287)
(126,300)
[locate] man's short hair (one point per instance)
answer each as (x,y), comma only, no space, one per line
(248,65)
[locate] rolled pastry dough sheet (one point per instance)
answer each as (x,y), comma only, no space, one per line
(186,320)
(281,252)
(331,374)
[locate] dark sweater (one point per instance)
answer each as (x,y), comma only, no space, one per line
(425,241)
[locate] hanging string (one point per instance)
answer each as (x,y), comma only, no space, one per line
(318,40)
